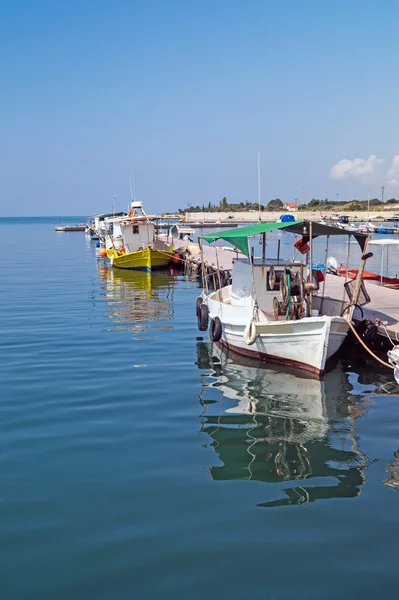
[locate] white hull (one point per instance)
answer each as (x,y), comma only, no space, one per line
(306,343)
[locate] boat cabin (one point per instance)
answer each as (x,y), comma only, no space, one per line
(278,285)
(131,232)
(182,233)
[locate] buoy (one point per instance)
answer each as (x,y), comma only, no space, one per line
(175,258)
(102,252)
(250,333)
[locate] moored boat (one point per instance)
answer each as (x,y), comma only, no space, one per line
(76,227)
(131,242)
(274,310)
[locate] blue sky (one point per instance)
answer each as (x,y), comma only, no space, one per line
(184,94)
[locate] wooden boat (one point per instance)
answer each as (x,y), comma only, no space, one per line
(271,311)
(352,273)
(131,242)
(377,277)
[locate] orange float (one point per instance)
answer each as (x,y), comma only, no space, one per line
(175,258)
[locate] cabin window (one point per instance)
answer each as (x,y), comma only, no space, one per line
(135,229)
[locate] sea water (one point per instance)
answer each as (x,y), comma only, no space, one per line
(138,460)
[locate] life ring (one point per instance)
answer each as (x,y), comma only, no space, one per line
(203,316)
(250,333)
(198,303)
(216,329)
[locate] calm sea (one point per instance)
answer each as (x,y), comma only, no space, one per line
(138,461)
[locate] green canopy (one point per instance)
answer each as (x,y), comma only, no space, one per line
(239,237)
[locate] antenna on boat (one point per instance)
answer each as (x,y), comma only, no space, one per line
(132,188)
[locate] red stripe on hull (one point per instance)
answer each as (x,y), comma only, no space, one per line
(274,359)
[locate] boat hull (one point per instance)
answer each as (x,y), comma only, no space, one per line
(305,344)
(141,260)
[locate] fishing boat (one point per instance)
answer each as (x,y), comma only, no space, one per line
(91,231)
(274,309)
(131,242)
(366,228)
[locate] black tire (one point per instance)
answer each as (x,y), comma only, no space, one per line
(203,316)
(224,278)
(198,303)
(216,329)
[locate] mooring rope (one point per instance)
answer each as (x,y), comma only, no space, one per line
(367,348)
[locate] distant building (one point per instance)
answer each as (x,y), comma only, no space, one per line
(291,206)
(391,207)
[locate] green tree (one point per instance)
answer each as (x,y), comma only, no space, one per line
(275,204)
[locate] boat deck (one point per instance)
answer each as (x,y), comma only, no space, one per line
(384,303)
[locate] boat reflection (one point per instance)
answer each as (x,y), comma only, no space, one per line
(138,300)
(277,426)
(392,469)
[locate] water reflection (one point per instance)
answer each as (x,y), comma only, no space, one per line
(392,469)
(277,426)
(137,298)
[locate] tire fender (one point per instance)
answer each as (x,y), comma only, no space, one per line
(216,329)
(198,303)
(203,316)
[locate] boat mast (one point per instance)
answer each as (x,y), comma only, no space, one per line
(259,185)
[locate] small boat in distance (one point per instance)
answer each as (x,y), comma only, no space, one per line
(76,227)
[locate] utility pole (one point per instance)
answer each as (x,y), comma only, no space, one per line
(382,193)
(368,204)
(258,184)
(337,196)
(302,195)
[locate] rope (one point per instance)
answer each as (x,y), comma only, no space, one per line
(367,348)
(289,294)
(387,334)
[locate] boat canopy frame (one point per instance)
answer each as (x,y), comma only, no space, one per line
(307,229)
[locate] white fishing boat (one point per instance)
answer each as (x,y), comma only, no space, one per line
(275,309)
(91,231)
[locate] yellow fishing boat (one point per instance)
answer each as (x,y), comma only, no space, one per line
(145,259)
(132,243)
